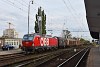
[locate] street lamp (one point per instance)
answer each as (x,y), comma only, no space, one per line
(29,13)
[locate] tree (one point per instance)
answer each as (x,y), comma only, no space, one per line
(43,22)
(83,41)
(36,27)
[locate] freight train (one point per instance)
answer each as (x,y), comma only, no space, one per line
(35,42)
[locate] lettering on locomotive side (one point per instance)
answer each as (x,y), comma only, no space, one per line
(47,41)
(44,41)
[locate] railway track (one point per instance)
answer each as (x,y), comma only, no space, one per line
(18,60)
(7,55)
(4,59)
(66,60)
(33,60)
(42,60)
(11,56)
(75,60)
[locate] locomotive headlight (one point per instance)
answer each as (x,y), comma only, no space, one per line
(27,42)
(33,44)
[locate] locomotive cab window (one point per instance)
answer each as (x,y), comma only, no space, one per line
(28,37)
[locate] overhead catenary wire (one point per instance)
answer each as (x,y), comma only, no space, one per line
(76,13)
(70,11)
(25,4)
(25,10)
(13,5)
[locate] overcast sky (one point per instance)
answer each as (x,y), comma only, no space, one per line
(61,14)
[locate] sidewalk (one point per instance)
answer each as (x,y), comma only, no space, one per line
(94,57)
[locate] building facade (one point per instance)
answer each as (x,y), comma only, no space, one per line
(16,42)
(11,33)
(10,37)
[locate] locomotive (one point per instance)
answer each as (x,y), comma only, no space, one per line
(33,42)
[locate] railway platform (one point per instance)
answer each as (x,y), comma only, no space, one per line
(94,57)
(10,52)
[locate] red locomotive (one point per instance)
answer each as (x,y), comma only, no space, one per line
(33,42)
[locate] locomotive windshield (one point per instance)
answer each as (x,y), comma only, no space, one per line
(28,37)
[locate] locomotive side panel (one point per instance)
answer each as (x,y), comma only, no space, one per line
(53,42)
(27,43)
(36,41)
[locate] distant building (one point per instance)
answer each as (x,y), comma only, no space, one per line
(10,33)
(10,37)
(16,42)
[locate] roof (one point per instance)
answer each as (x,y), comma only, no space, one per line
(93,17)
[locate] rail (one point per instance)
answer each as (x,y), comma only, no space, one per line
(72,57)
